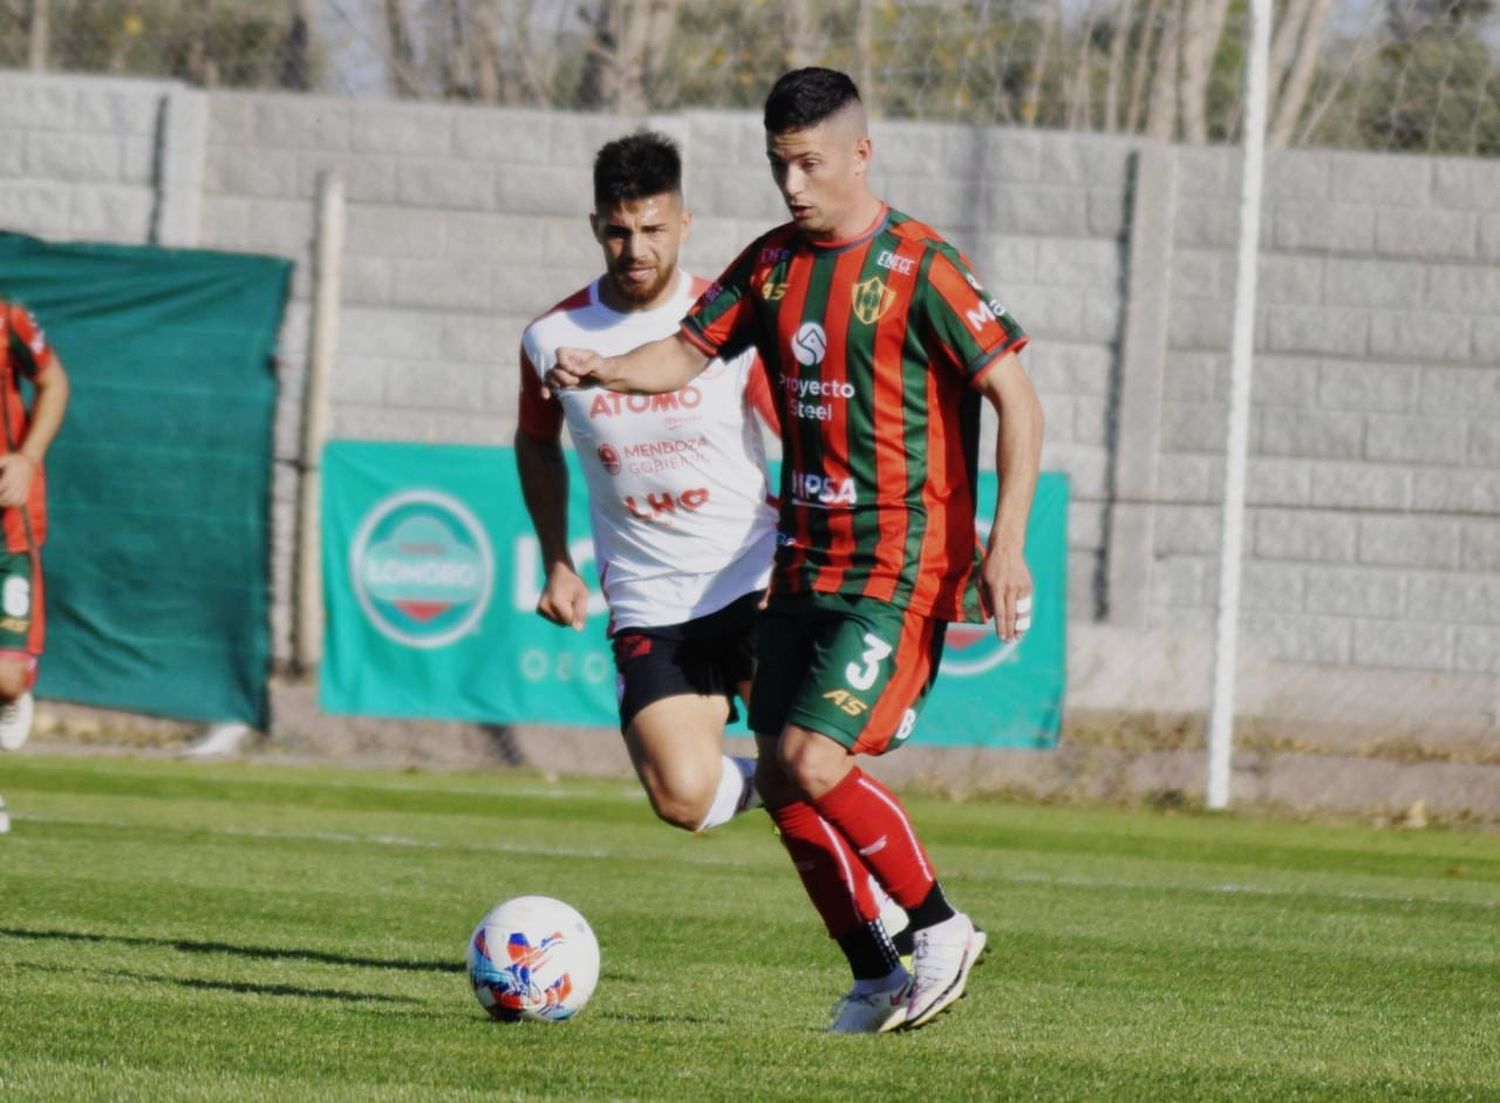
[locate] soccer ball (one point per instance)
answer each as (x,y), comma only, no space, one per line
(533,958)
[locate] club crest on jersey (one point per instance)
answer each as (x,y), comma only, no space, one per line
(872,300)
(809,344)
(609,459)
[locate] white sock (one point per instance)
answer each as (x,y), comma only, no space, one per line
(736,792)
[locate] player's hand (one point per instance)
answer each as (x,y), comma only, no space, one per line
(565,600)
(1008,580)
(16,474)
(575,368)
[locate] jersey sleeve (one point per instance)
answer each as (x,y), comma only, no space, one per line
(723,315)
(29,349)
(972,330)
(538,415)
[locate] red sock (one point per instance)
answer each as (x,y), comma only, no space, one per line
(872,819)
(832,873)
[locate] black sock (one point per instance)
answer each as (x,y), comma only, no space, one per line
(904,941)
(869,950)
(933,909)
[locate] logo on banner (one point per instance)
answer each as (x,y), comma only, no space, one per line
(423,568)
(971,649)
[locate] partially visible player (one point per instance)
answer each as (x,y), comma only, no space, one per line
(24,353)
(880,341)
(683,528)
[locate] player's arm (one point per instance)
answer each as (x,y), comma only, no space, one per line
(1018,460)
(18,467)
(980,338)
(721,314)
(544,487)
(668,364)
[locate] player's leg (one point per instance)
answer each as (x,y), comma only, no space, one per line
(21,628)
(862,696)
(677,747)
(835,879)
(673,706)
(843,893)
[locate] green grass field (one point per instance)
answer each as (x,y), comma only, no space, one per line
(170,931)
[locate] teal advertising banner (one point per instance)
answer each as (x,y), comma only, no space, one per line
(432,573)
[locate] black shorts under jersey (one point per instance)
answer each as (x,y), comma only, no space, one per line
(708,656)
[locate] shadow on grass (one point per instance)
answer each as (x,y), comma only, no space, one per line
(243,987)
(193,946)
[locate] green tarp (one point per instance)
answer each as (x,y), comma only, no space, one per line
(157,576)
(431,575)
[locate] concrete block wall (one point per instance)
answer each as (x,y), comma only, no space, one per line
(1374,481)
(1374,536)
(79,157)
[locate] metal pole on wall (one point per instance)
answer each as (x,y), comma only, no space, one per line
(37,33)
(326,293)
(1236,451)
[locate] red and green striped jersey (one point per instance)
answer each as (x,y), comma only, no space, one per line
(24,353)
(873,346)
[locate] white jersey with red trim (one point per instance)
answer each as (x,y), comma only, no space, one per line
(678,489)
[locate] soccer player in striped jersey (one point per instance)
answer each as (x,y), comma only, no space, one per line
(25,353)
(881,343)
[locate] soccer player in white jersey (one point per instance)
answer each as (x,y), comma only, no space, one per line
(683,528)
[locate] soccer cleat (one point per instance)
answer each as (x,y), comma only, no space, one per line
(15,722)
(219,741)
(873,1010)
(942,956)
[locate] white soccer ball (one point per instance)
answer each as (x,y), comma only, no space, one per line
(533,958)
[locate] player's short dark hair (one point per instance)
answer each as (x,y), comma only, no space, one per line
(805,97)
(635,166)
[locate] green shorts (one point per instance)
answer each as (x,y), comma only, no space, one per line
(854,669)
(20,606)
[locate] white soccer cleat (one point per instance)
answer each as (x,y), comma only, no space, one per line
(15,722)
(873,1010)
(942,956)
(219,741)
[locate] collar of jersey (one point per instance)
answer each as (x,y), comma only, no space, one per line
(633,315)
(831,248)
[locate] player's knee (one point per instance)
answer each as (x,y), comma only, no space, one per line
(810,766)
(12,680)
(680,802)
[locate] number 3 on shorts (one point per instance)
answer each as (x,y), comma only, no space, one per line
(876,652)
